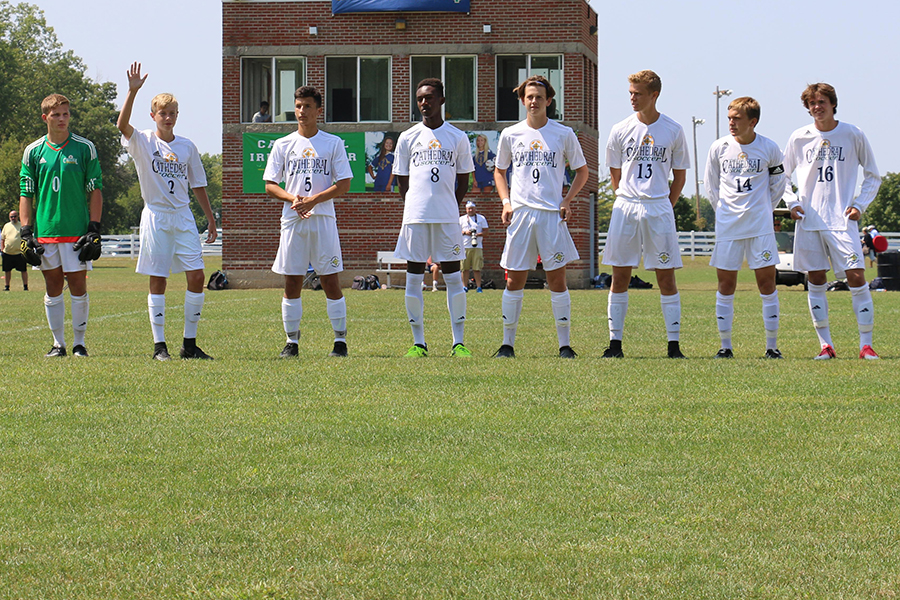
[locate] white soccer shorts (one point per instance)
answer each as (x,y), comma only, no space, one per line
(760,251)
(313,241)
(814,249)
(443,242)
(170,243)
(62,255)
(642,227)
(534,232)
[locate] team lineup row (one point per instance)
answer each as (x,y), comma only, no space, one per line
(746,174)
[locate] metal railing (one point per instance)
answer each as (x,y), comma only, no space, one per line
(129,245)
(700,243)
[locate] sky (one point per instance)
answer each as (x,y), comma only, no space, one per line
(768,49)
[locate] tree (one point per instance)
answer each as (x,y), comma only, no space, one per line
(33,64)
(606,197)
(686,215)
(212,164)
(884,212)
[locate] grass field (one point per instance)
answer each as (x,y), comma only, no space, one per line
(380,477)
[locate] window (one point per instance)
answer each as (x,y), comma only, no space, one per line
(458,75)
(271,80)
(513,70)
(357,89)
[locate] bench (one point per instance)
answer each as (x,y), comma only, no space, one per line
(388,263)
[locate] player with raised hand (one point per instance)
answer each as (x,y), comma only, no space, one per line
(534,209)
(642,151)
(432,163)
(826,156)
(168,165)
(745,180)
(60,181)
(314,168)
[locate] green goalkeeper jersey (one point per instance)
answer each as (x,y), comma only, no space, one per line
(59,180)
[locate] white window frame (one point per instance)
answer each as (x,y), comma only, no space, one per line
(560,104)
(443,78)
(273,84)
(358,95)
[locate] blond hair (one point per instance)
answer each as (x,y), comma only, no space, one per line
(161,101)
(747,105)
(52,101)
(648,78)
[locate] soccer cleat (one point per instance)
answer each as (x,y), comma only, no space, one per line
(290,350)
(674,350)
(79,350)
(567,352)
(479,290)
(867,353)
(194,352)
(773,353)
(826,353)
(726,353)
(505,351)
(417,351)
(340,349)
(160,351)
(460,351)
(56,351)
(613,353)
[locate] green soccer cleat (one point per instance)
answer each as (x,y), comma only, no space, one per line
(459,350)
(417,351)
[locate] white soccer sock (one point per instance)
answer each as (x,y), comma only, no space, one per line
(561,303)
(512,308)
(818,310)
(725,318)
(291,313)
(415,306)
(616,309)
(80,310)
(861,298)
(193,307)
(456,304)
(55,308)
(156,306)
(337,312)
(771,312)
(671,309)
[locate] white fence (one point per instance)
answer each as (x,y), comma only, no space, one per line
(129,245)
(700,243)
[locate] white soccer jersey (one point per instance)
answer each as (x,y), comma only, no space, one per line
(827,164)
(538,158)
(432,158)
(307,166)
(166,170)
(744,182)
(646,154)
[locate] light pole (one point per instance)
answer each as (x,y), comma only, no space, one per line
(719,93)
(696,122)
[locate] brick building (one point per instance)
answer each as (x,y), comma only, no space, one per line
(366,63)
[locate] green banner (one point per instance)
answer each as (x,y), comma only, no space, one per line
(258,145)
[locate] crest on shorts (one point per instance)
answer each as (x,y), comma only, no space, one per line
(434,144)
(558,257)
(852,259)
(335,261)
(536,145)
(308,153)
(766,255)
(455,250)
(647,141)
(664,258)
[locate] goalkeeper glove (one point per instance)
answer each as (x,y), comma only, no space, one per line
(30,247)
(88,245)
